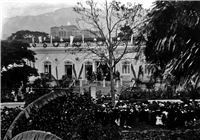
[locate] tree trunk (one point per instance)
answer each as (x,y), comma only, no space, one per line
(112,86)
(111,79)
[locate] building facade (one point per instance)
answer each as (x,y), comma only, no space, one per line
(81,63)
(69,30)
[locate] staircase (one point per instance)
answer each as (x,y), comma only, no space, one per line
(99,87)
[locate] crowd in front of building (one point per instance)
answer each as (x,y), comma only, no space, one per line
(165,114)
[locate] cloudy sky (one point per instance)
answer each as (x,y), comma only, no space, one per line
(12,8)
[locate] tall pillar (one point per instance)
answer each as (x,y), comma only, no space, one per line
(117,83)
(81,82)
(86,81)
(93,66)
(121,81)
(93,91)
(104,82)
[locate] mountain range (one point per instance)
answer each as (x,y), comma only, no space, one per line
(41,23)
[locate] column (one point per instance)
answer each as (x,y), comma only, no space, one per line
(86,81)
(121,81)
(93,66)
(104,82)
(81,82)
(93,91)
(117,84)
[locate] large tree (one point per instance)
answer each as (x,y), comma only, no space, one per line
(104,21)
(15,64)
(28,36)
(173,41)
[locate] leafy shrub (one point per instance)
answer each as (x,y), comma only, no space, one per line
(7,117)
(69,117)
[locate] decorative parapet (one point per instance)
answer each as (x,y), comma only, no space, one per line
(67,44)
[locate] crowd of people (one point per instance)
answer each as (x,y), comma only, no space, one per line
(165,114)
(100,75)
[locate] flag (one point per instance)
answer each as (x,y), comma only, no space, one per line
(131,39)
(74,70)
(133,71)
(83,38)
(79,76)
(71,39)
(51,39)
(40,39)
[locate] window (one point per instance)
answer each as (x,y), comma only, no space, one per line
(64,33)
(68,69)
(59,33)
(47,67)
(125,67)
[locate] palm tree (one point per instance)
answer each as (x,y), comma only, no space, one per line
(173,38)
(36,135)
(37,104)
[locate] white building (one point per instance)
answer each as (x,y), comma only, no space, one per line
(61,59)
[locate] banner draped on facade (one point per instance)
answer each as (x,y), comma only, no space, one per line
(71,40)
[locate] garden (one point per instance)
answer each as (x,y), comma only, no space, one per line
(73,116)
(171,39)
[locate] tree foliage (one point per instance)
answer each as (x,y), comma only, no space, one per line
(15,57)
(173,38)
(35,105)
(36,135)
(27,35)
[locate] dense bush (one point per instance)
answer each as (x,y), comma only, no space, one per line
(7,95)
(7,117)
(69,117)
(73,117)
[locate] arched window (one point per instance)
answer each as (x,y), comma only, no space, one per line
(88,70)
(47,67)
(64,33)
(125,67)
(68,68)
(59,33)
